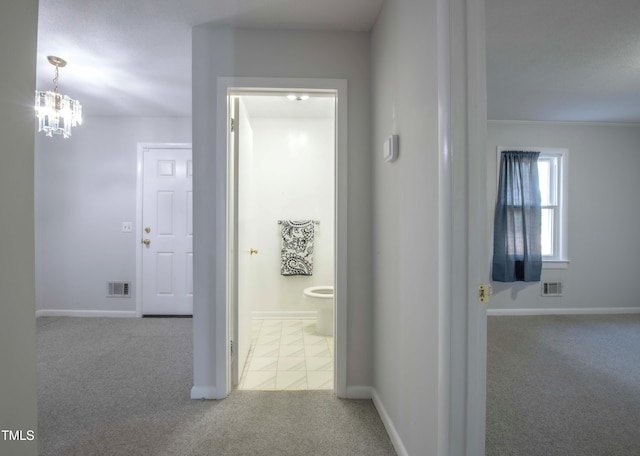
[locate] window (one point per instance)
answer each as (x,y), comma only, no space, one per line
(552,171)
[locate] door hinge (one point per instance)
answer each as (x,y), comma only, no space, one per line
(233,125)
(231,348)
(484,292)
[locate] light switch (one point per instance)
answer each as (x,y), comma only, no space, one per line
(127,227)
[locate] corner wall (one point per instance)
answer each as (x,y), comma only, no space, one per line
(220,51)
(18,407)
(406,276)
(603,213)
(85,189)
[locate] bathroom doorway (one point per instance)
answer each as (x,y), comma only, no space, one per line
(282,146)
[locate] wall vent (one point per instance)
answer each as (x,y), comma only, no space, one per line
(118,289)
(552,288)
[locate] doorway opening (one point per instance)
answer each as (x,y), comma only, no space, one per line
(282,238)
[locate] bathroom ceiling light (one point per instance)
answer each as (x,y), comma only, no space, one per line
(57,113)
(295,97)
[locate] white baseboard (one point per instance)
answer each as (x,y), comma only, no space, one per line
(566,311)
(85,313)
(204,392)
(388,424)
(358,392)
(284,314)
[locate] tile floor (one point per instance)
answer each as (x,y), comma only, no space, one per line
(288,355)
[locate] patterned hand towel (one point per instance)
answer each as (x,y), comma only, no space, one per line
(297,247)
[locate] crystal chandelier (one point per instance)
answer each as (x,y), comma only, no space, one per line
(57,113)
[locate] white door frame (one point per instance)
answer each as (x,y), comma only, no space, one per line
(137,228)
(223,309)
(469,246)
(478,251)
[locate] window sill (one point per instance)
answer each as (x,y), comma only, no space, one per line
(555,264)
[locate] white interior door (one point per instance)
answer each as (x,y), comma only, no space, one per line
(248,250)
(167,232)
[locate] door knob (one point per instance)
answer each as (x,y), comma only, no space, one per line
(146,241)
(252,251)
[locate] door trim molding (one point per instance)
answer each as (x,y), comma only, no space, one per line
(221,238)
(137,227)
(469,249)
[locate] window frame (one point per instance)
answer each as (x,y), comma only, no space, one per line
(560,258)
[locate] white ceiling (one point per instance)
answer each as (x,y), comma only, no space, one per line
(278,105)
(569,60)
(133,57)
(546,59)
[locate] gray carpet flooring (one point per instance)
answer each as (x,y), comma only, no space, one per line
(121,387)
(563,385)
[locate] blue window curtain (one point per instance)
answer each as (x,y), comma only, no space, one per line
(517,253)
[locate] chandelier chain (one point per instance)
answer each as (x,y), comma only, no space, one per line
(55,81)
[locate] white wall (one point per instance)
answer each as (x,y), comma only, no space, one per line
(85,189)
(406,221)
(226,52)
(604,214)
(293,166)
(18,30)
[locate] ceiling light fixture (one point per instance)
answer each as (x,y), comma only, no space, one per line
(57,113)
(294,97)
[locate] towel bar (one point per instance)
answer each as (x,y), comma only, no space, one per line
(317,222)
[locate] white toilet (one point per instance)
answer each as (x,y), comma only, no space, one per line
(321,298)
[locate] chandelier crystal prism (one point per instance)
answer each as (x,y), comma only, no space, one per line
(57,113)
